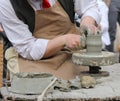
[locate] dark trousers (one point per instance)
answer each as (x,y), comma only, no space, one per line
(114,17)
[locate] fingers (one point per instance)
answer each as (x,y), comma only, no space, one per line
(73,42)
(90,24)
(91,29)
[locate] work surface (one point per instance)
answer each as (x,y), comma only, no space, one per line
(106,89)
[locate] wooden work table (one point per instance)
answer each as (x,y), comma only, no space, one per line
(106,89)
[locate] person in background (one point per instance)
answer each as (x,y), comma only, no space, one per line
(104,23)
(39,30)
(114,18)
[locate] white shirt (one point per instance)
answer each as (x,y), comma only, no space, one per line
(104,22)
(19,35)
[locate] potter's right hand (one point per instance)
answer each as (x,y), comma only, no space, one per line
(72,41)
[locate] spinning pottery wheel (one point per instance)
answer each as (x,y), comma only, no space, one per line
(93,56)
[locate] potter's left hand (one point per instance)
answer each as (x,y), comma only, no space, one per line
(90,23)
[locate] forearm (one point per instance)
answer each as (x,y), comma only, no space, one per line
(54,46)
(69,40)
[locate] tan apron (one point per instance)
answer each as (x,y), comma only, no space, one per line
(50,23)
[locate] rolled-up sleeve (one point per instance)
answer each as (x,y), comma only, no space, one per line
(87,8)
(19,35)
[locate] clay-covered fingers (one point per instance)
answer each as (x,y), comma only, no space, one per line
(90,24)
(93,29)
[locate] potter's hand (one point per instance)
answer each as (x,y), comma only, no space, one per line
(90,23)
(72,41)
